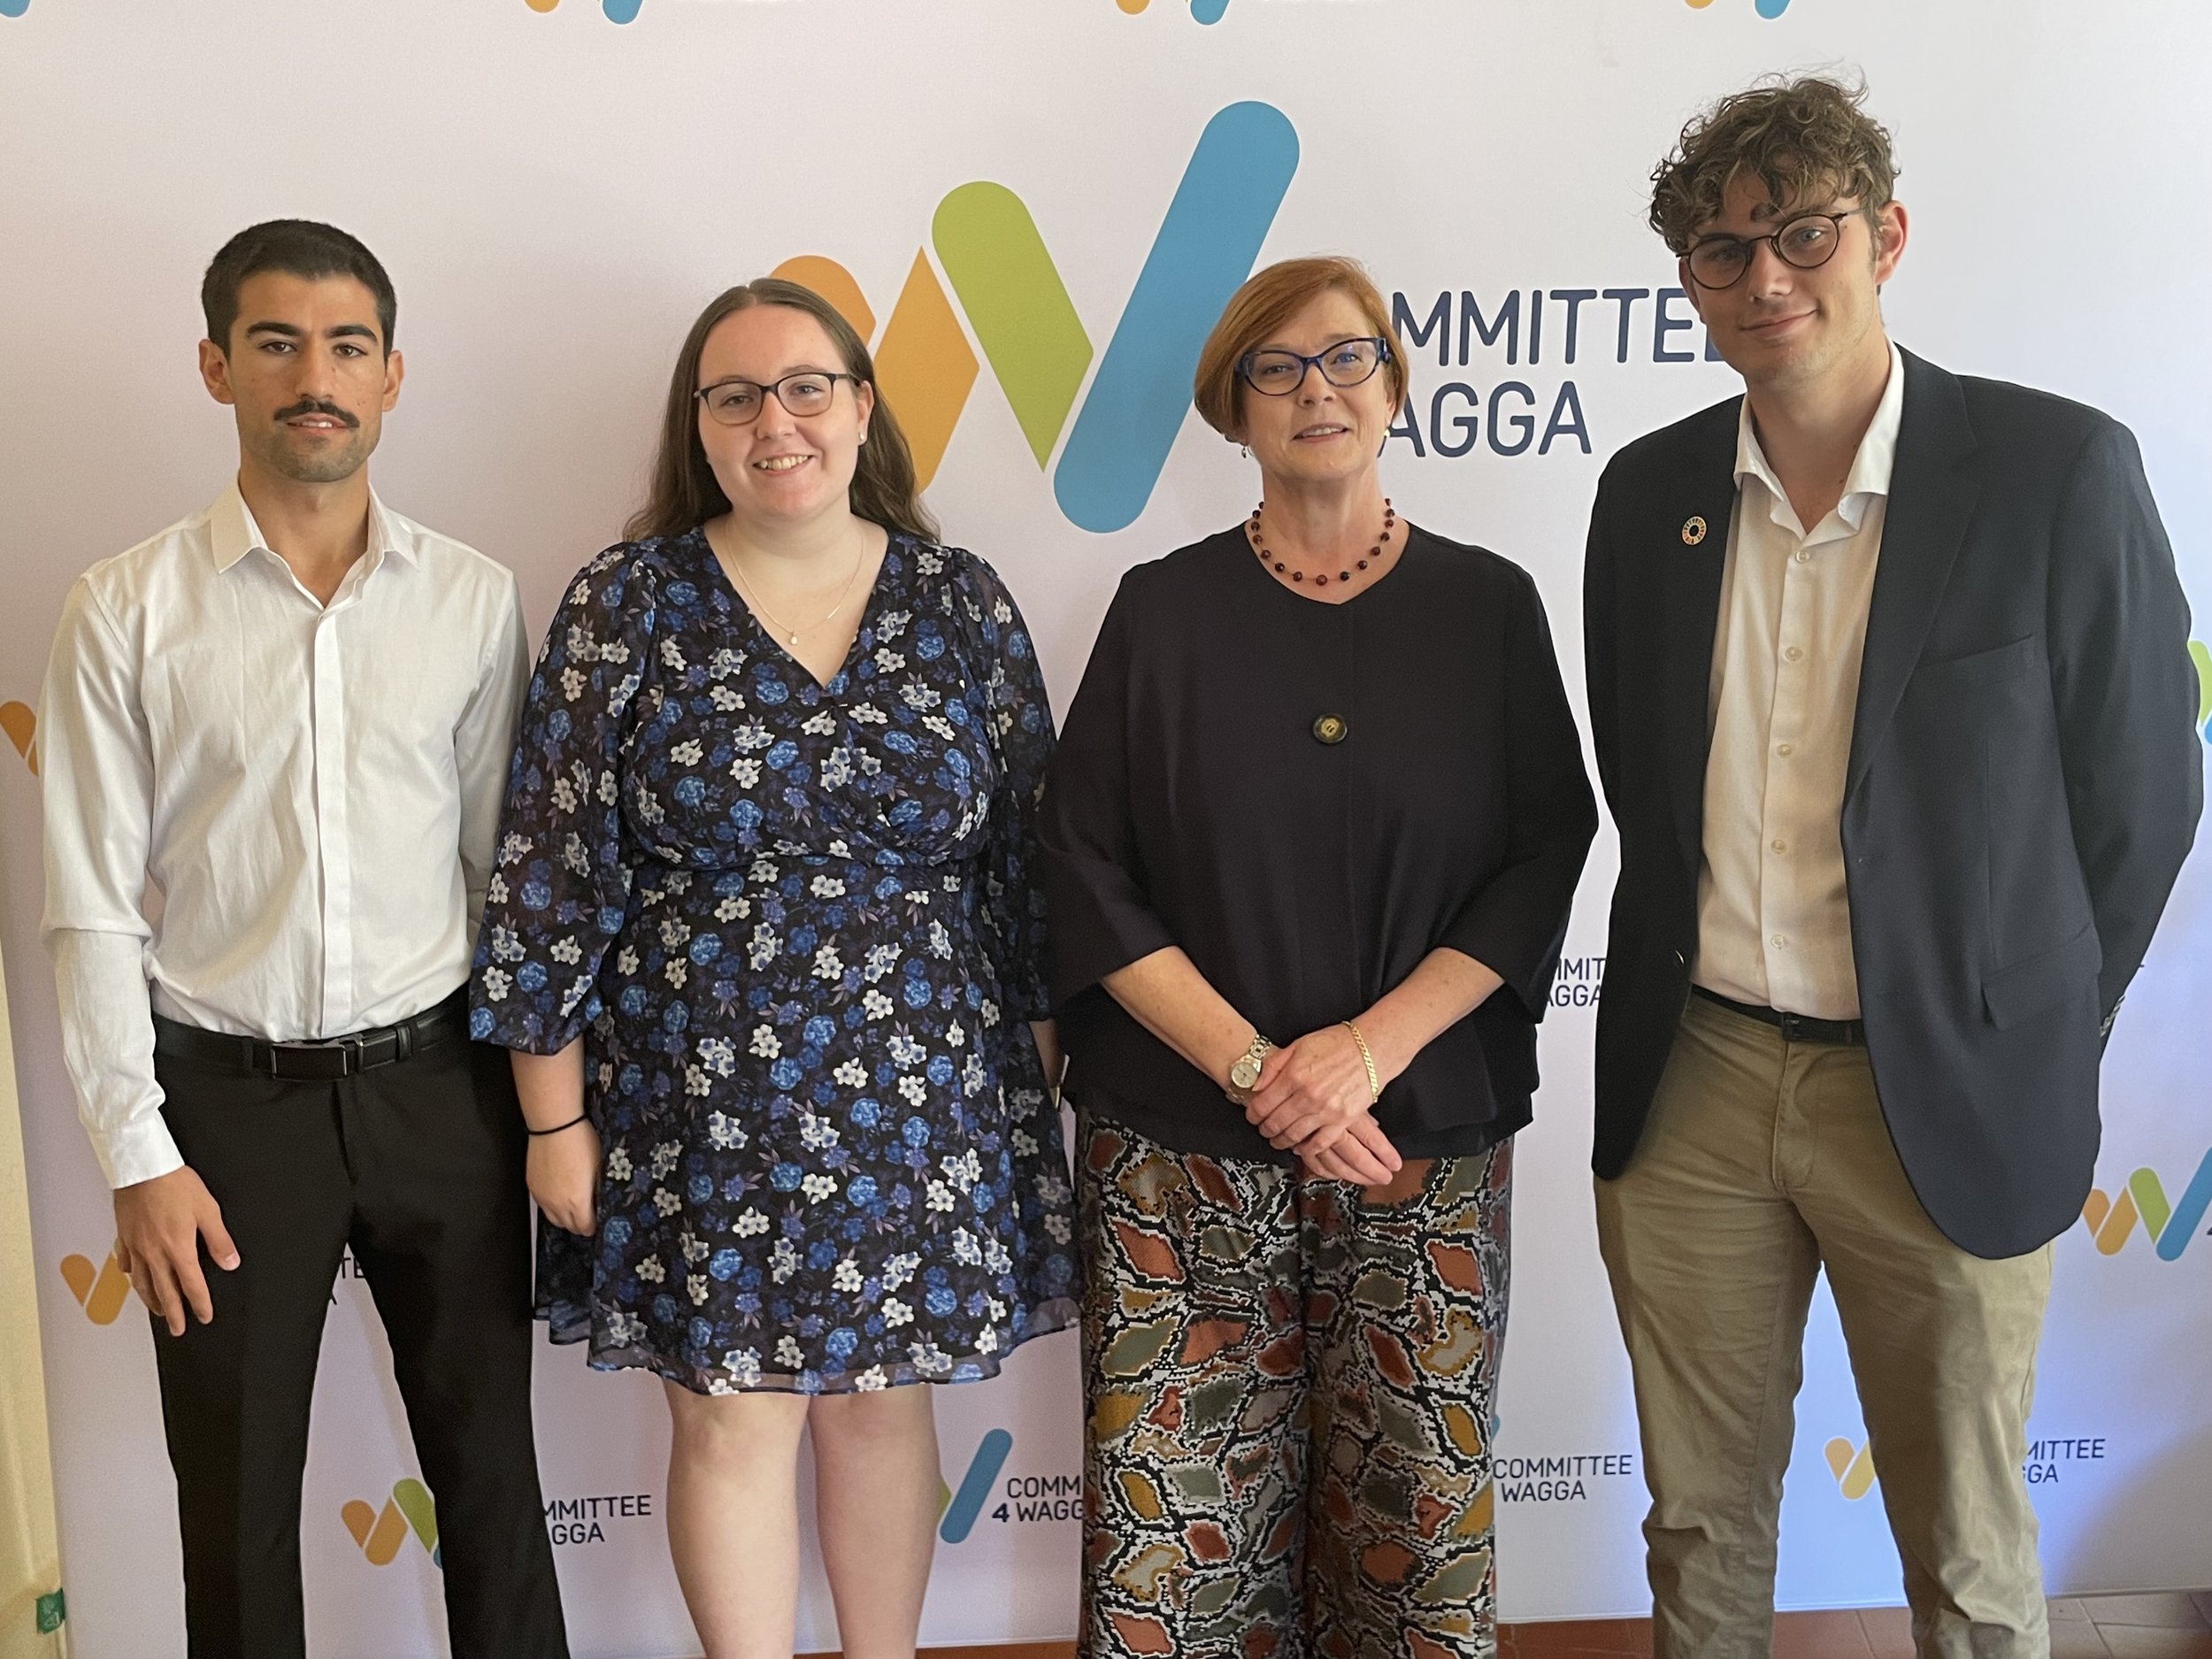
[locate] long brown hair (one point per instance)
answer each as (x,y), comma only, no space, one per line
(684,495)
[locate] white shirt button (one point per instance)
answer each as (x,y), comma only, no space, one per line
(1793,653)
(1786,749)
(1778,942)
(1804,555)
(1779,845)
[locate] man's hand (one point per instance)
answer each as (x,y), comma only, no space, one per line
(563,1176)
(159,1226)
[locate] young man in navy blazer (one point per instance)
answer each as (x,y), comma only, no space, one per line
(1890,682)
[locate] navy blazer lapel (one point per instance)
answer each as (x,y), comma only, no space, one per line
(1931,496)
(1692,540)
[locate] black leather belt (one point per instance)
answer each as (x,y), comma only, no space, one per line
(322,1061)
(1793,1027)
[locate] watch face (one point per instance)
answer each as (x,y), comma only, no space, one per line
(1245,1072)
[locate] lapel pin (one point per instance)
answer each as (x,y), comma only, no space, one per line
(1692,531)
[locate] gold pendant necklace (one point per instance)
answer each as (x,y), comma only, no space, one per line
(791,634)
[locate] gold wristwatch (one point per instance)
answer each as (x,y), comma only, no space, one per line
(1244,1071)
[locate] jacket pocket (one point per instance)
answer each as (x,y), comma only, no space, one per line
(1981,667)
(2011,994)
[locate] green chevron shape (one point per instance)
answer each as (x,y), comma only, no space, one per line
(1018,305)
(2150,1202)
(414,1502)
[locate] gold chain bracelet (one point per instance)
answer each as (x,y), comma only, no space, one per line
(1374,1083)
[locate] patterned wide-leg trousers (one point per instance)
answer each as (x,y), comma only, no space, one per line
(1288,1392)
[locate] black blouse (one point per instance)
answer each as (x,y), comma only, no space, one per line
(1309,798)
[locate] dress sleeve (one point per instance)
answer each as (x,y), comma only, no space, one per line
(1020,712)
(1102,916)
(560,880)
(1514,925)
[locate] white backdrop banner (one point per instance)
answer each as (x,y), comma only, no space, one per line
(1018,202)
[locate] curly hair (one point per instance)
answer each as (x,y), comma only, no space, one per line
(1800,138)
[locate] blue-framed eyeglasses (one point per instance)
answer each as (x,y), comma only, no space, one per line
(1347,362)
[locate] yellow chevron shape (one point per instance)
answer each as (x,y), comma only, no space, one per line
(384,1538)
(102,1291)
(21,723)
(1853,1467)
(2110,1219)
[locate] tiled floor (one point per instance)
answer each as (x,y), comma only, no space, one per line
(2176,1626)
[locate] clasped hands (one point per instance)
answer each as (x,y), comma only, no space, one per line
(1312,1099)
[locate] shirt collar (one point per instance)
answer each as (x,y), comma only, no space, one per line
(233,534)
(1871,467)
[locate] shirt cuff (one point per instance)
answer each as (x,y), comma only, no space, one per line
(136,1151)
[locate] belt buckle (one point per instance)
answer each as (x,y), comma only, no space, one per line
(348,1052)
(295,1062)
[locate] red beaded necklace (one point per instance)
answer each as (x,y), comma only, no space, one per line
(1321,578)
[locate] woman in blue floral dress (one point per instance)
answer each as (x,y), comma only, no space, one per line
(764,934)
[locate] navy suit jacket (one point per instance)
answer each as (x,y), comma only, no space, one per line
(2024,779)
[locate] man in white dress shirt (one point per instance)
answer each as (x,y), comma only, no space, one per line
(1890,684)
(290,717)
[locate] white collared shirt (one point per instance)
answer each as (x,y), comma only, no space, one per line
(279,814)
(1773,920)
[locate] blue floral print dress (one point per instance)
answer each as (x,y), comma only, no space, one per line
(798,927)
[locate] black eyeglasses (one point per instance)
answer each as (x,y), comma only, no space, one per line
(1808,241)
(1279,374)
(739,402)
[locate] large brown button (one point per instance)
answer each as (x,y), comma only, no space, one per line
(1330,728)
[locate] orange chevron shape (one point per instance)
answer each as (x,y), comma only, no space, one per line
(18,720)
(100,1291)
(834,284)
(926,367)
(359,1518)
(382,1533)
(379,1542)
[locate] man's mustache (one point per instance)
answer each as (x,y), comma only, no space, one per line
(316,406)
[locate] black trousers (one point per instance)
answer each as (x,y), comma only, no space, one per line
(418,1167)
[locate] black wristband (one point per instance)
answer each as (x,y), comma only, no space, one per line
(557,1128)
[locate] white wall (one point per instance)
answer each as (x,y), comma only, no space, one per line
(555,194)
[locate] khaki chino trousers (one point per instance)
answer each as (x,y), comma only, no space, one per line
(1765,1161)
